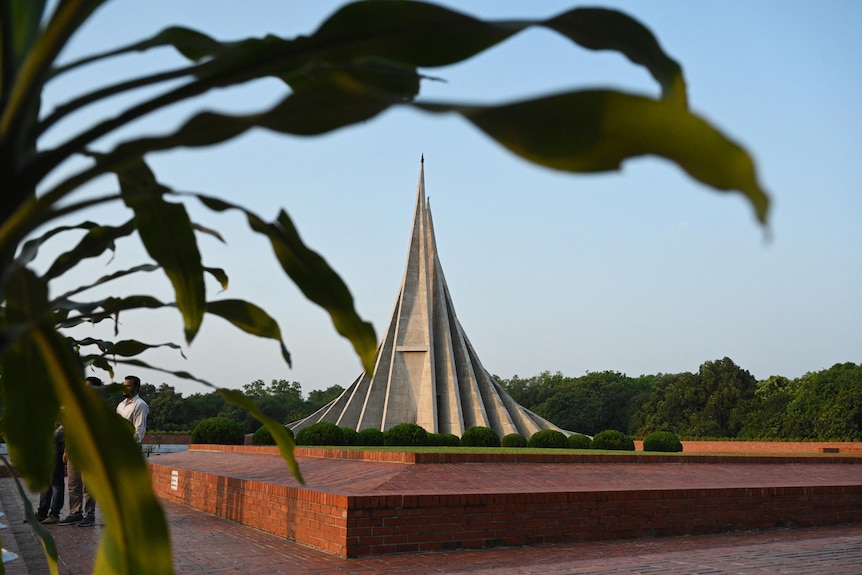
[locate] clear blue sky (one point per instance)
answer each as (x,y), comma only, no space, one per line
(638,271)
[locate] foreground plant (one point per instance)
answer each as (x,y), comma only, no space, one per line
(364,59)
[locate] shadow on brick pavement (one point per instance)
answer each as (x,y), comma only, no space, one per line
(210,545)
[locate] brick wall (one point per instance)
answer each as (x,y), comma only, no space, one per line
(409,524)
(315,519)
(359,525)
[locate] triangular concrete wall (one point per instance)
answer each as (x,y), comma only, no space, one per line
(426,372)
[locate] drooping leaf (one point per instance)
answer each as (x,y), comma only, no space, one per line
(29,432)
(220,276)
(190,43)
(49,546)
(601,29)
(111,308)
(310,272)
(125,348)
(279,433)
(135,540)
(94,243)
(167,233)
(596,130)
(110,277)
(249,318)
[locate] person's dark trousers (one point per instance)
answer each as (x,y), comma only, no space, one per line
(52,499)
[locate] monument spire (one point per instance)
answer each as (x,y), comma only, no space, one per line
(426,371)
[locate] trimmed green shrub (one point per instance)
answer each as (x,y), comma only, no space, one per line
(351,436)
(478,436)
(514,440)
(548,439)
(263,437)
(662,441)
(320,433)
(405,435)
(218,431)
(578,441)
(370,437)
(614,440)
(444,439)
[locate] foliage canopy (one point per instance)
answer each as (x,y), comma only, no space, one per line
(364,59)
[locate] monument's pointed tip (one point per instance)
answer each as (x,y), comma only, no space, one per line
(422,159)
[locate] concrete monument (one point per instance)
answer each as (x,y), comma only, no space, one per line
(426,372)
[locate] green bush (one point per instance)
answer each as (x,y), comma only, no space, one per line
(478,436)
(405,435)
(514,440)
(263,437)
(320,433)
(662,441)
(444,439)
(614,440)
(218,431)
(548,439)
(370,437)
(351,436)
(578,441)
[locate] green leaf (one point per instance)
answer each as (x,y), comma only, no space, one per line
(249,318)
(168,235)
(44,536)
(28,432)
(595,131)
(220,276)
(94,243)
(23,18)
(135,540)
(110,277)
(279,432)
(600,29)
(190,43)
(125,348)
(310,272)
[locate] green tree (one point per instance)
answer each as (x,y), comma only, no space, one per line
(767,417)
(168,411)
(200,406)
(827,405)
(730,390)
(363,60)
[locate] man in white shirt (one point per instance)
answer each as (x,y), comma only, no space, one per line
(133,407)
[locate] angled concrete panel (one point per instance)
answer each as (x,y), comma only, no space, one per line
(426,371)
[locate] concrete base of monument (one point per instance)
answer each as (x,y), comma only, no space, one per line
(357,503)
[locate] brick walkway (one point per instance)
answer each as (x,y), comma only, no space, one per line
(209,545)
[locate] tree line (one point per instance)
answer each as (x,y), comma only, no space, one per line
(721,400)
(281,400)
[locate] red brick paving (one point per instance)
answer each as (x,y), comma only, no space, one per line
(355,477)
(210,545)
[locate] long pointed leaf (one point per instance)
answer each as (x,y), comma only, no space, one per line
(125,348)
(49,546)
(29,431)
(249,318)
(282,439)
(310,272)
(595,131)
(168,235)
(94,243)
(135,540)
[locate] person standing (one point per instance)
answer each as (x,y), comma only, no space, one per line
(133,408)
(82,506)
(51,500)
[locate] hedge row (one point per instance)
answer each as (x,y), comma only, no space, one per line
(226,431)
